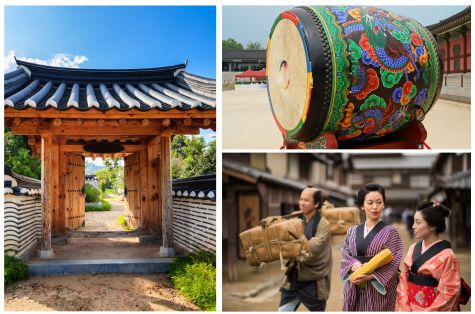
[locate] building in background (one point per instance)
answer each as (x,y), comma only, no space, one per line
(237,61)
(405,178)
(453,36)
(450,185)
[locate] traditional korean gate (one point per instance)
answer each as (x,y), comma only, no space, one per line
(75,197)
(132,181)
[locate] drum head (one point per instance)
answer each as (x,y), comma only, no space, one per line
(289,76)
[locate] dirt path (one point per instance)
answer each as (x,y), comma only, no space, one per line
(248,123)
(104,292)
(104,221)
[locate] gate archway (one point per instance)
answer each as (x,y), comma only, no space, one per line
(65,111)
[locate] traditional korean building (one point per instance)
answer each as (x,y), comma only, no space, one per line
(237,61)
(453,36)
(69,114)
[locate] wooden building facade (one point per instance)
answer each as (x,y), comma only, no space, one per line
(70,114)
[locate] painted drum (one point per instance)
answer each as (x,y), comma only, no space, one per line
(358,72)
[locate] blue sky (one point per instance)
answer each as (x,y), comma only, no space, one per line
(256,25)
(106,37)
(114,37)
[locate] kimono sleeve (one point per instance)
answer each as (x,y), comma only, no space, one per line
(346,259)
(449,283)
(384,274)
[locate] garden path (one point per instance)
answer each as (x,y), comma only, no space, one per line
(105,221)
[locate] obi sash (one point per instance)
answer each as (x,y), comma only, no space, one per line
(362,243)
(423,288)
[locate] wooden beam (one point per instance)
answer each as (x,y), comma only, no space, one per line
(78,148)
(166,196)
(187,122)
(113,113)
(166,122)
(155,140)
(45,250)
(57,122)
(145,122)
(181,130)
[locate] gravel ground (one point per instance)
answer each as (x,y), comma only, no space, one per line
(104,221)
(104,292)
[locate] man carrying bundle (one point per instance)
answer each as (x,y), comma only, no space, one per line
(308,277)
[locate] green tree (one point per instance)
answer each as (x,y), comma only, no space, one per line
(112,176)
(191,156)
(254,46)
(231,44)
(18,156)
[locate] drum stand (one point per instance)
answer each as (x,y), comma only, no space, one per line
(411,137)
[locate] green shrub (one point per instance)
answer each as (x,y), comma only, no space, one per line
(104,207)
(123,223)
(194,275)
(93,195)
(15,269)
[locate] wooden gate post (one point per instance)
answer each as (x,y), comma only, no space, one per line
(45,250)
(166,197)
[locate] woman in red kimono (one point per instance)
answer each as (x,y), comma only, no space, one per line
(430,280)
(376,291)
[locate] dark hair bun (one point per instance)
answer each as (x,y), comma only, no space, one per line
(444,209)
(434,205)
(434,214)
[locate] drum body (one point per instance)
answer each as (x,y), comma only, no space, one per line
(358,72)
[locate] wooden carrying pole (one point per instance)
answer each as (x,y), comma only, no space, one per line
(166,197)
(45,250)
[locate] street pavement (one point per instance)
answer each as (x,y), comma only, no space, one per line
(248,123)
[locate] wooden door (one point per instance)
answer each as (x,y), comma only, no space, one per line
(132,181)
(75,197)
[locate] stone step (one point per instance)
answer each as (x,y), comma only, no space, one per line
(128,266)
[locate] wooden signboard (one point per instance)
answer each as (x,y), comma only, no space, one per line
(249,215)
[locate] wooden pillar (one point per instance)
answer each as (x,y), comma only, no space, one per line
(45,250)
(465,50)
(166,196)
(55,192)
(447,39)
(62,193)
(153,150)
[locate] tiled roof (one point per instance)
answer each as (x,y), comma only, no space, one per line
(164,88)
(200,187)
(20,185)
(456,20)
(244,55)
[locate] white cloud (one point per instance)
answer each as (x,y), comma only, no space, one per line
(9,61)
(58,60)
